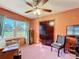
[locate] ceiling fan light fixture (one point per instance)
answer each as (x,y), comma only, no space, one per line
(37,12)
(34,12)
(36,7)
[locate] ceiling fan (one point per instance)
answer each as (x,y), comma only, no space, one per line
(36,8)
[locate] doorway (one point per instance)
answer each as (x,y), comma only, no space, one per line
(46,31)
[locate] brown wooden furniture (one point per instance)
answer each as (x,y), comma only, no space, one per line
(8,54)
(70,41)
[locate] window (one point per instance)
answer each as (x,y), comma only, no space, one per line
(13,28)
(8,28)
(20,28)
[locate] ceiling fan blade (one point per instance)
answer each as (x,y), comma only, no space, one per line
(29,4)
(44,1)
(47,10)
(28,11)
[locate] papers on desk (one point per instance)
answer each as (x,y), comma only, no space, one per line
(11,47)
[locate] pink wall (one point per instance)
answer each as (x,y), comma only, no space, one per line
(63,19)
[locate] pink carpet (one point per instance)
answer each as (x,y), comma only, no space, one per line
(39,51)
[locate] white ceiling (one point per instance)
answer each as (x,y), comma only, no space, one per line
(19,6)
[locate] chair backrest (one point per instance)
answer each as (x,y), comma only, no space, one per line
(61,39)
(77,42)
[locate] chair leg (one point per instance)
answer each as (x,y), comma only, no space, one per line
(58,52)
(64,50)
(51,48)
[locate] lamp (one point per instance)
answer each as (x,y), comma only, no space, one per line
(51,23)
